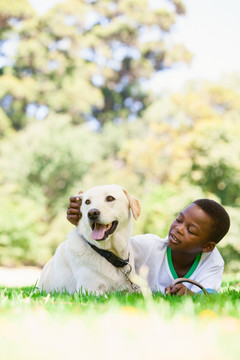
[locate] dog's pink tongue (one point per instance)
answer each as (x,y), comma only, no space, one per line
(99,231)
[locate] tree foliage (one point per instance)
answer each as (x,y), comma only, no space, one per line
(89,58)
(45,160)
(12,11)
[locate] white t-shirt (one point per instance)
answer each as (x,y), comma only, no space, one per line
(152,251)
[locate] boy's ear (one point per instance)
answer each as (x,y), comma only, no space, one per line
(209,247)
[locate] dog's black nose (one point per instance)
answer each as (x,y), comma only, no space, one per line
(93,214)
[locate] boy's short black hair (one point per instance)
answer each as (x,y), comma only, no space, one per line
(220,217)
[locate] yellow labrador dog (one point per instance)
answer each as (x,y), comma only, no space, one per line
(96,257)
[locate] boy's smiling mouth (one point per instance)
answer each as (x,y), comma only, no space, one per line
(173,239)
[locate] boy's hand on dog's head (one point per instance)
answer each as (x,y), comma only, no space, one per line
(73,211)
(179,290)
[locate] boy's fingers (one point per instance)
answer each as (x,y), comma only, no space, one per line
(73,219)
(167,290)
(75,199)
(179,289)
(175,290)
(72,211)
(74,205)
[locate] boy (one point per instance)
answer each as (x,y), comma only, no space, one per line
(189,250)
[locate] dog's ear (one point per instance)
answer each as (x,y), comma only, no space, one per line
(80,194)
(134,204)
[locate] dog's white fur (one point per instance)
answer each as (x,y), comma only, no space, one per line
(76,266)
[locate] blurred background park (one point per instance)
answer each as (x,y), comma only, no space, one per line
(112,91)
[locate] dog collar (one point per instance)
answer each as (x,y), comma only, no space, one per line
(109,256)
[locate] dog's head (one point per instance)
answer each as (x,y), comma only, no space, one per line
(105,210)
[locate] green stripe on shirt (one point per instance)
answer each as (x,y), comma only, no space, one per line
(191,270)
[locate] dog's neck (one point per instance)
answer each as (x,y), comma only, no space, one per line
(118,248)
(109,256)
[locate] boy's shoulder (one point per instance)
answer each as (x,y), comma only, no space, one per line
(148,238)
(148,249)
(214,258)
(148,242)
(210,270)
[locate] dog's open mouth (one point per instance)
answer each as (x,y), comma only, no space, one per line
(102,231)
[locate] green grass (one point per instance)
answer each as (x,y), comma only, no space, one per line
(34,325)
(226,303)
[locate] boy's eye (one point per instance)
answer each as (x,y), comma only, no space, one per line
(191,232)
(110,198)
(87,202)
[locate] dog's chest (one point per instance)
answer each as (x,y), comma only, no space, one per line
(96,273)
(92,271)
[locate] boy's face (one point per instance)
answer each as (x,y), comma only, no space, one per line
(189,232)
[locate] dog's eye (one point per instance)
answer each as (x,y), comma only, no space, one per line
(110,198)
(87,202)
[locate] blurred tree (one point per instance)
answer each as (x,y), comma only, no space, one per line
(5,124)
(23,223)
(160,152)
(192,136)
(12,13)
(47,160)
(213,146)
(90,58)
(215,161)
